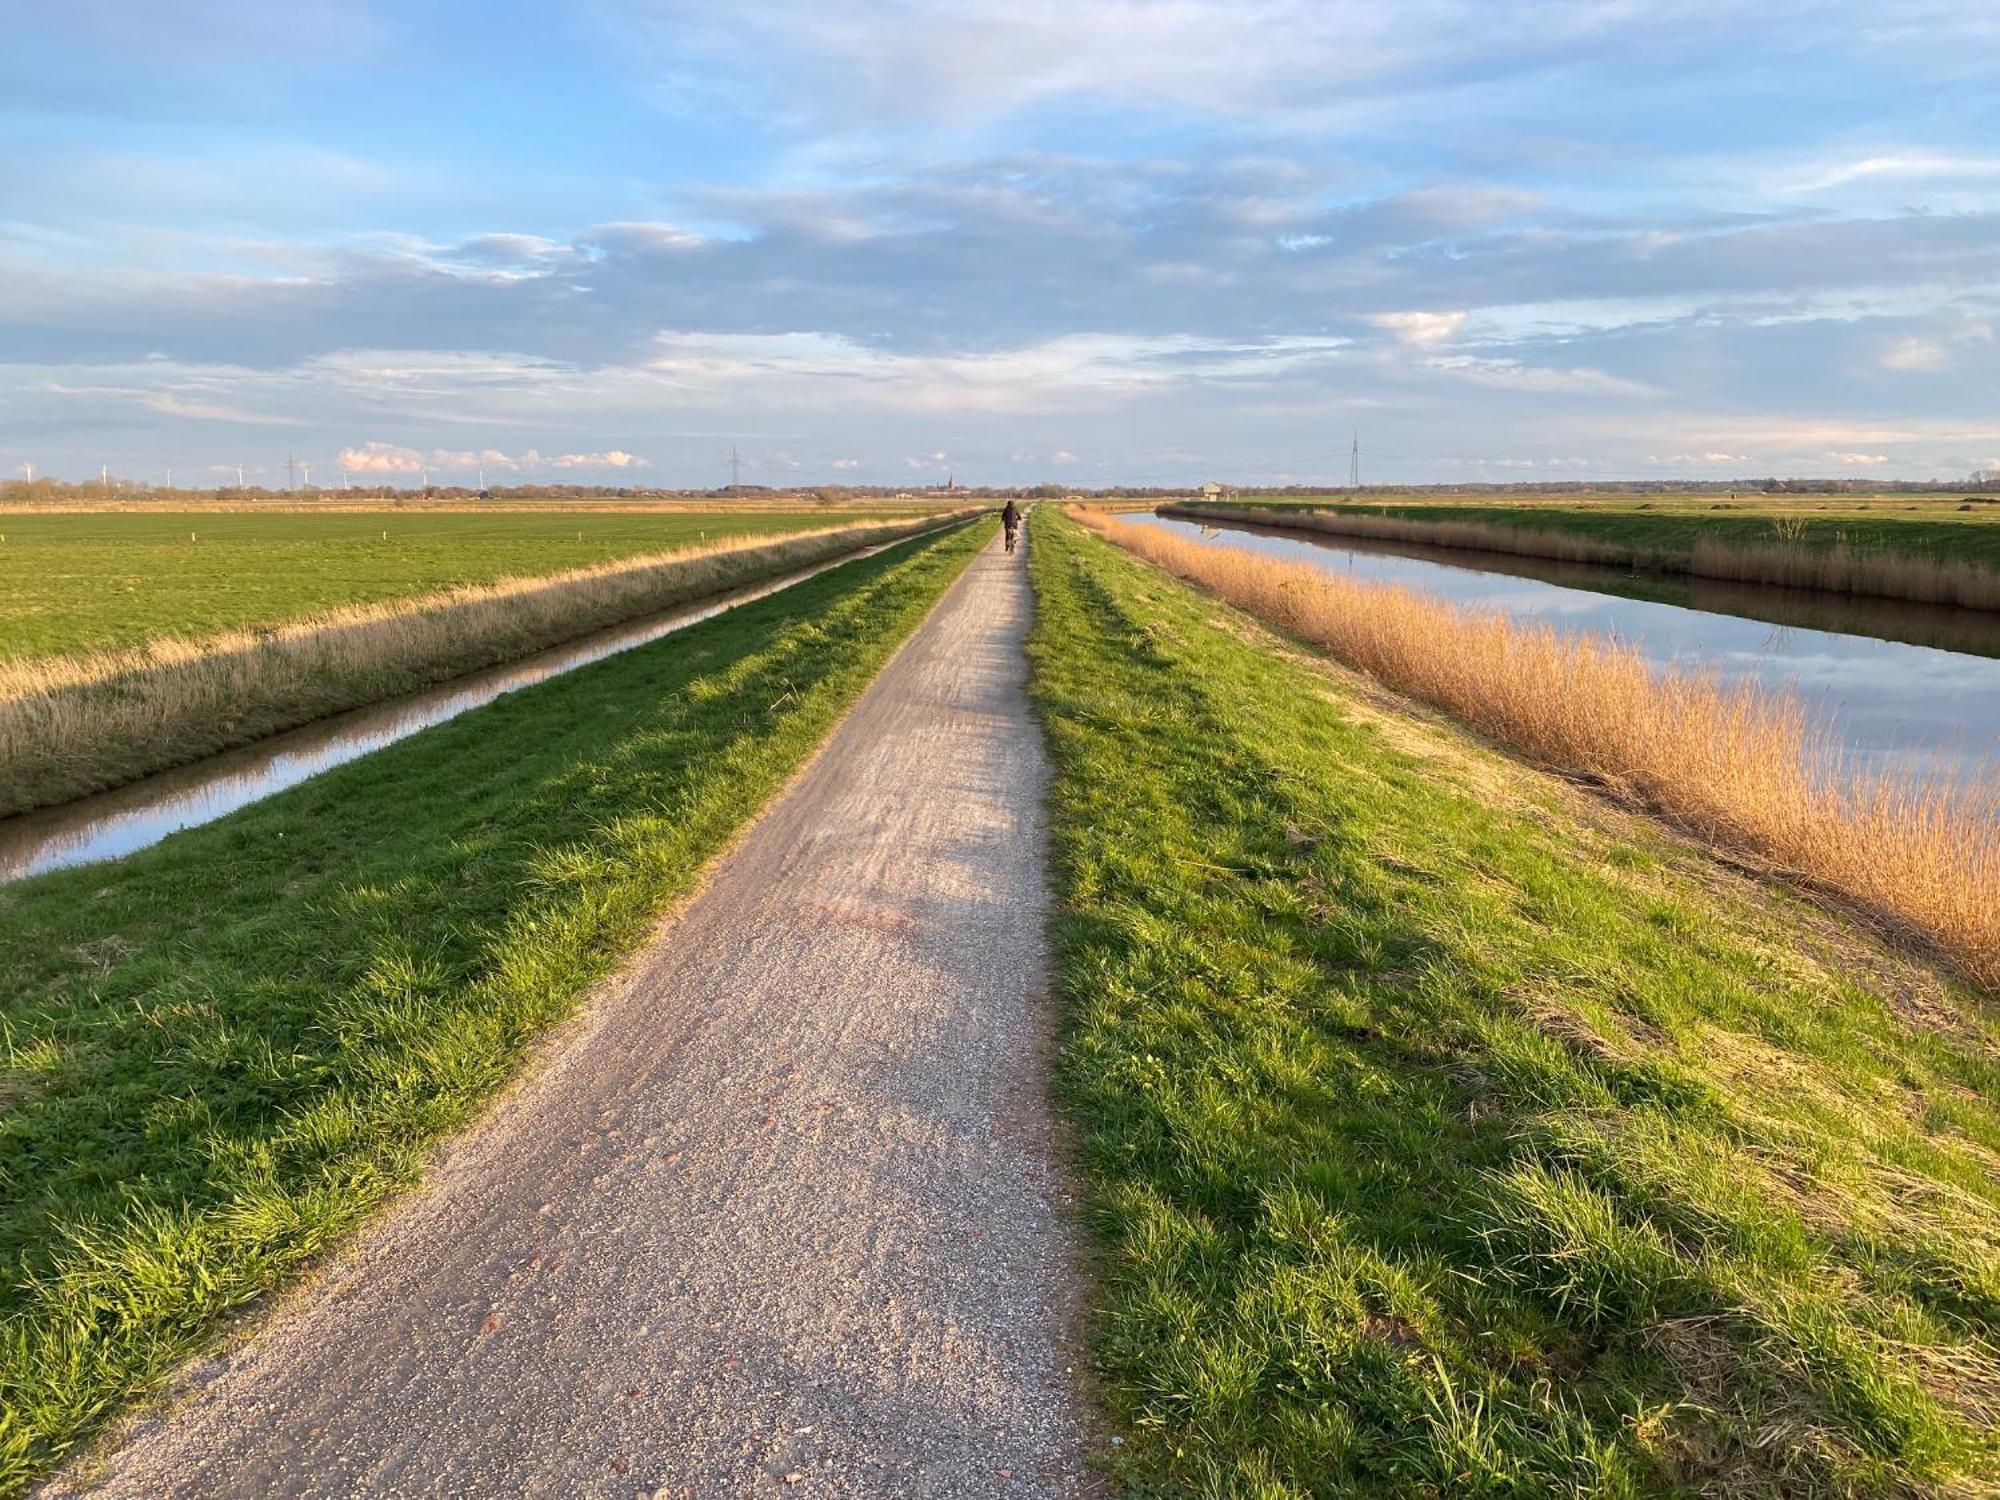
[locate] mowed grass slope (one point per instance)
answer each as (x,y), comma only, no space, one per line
(92,580)
(220,1054)
(1448,1132)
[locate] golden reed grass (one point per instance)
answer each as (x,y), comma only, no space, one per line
(1789,564)
(1744,768)
(79,723)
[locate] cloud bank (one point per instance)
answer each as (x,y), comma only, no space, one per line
(1119,238)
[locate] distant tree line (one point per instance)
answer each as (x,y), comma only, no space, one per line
(47,491)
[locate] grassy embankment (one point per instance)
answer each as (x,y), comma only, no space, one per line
(99,580)
(1932,558)
(79,723)
(222,1053)
(1448,1130)
(1737,766)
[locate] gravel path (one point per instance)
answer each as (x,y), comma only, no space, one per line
(780,1214)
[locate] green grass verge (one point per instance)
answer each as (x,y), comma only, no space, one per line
(1446,1132)
(1930,530)
(222,1053)
(76,580)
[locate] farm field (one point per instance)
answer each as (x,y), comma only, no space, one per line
(1447,1130)
(76,580)
(224,1052)
(1923,525)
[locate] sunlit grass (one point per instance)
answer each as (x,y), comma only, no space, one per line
(222,1053)
(1448,1131)
(79,579)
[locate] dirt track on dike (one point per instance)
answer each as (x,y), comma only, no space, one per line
(782,1212)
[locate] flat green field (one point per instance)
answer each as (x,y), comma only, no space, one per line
(1447,1131)
(218,1055)
(1667,523)
(99,579)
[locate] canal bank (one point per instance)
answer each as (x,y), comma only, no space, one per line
(1899,686)
(1937,562)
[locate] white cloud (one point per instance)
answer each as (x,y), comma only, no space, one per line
(1916,354)
(1934,352)
(489,458)
(1420,329)
(1899,166)
(170,405)
(1511,375)
(1042,375)
(615,458)
(381,458)
(1062,456)
(394,458)
(1859,460)
(845,463)
(512,250)
(823,66)
(641,237)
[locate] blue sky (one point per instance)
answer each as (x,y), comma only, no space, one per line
(1148,241)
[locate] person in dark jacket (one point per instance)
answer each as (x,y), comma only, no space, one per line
(1010,522)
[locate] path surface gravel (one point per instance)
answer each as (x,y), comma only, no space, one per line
(781,1213)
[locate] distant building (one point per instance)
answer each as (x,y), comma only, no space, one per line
(1213,491)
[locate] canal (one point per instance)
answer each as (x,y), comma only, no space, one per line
(1899,686)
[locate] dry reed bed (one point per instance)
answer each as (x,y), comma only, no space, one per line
(1788,564)
(75,724)
(1738,766)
